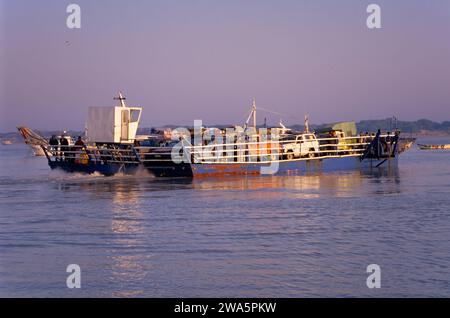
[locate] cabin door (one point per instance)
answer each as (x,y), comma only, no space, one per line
(125,124)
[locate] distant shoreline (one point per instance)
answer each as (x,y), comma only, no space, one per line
(419,128)
(432,134)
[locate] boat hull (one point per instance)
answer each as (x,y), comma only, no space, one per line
(91,168)
(294,167)
(169,169)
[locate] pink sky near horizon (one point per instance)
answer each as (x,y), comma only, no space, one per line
(186,60)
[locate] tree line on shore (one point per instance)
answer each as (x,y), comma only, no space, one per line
(411,127)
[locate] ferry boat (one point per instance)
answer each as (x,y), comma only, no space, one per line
(112,147)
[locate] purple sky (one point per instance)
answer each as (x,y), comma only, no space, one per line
(185,60)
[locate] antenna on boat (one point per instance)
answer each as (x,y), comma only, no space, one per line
(254,113)
(306,124)
(395,124)
(121,99)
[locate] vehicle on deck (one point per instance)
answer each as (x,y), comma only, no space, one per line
(303,145)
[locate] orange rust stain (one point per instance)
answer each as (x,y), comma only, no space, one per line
(219,173)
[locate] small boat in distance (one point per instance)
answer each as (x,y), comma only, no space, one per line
(434,147)
(6,142)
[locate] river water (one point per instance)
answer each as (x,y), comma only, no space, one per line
(292,236)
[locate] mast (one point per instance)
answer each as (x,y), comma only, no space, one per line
(306,124)
(121,99)
(254,113)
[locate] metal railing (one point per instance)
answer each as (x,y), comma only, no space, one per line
(216,152)
(90,154)
(264,151)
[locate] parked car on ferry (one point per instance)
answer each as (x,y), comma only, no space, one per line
(303,145)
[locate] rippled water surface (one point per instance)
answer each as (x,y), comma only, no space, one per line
(293,236)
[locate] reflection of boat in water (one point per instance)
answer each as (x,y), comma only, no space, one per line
(434,147)
(112,147)
(338,184)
